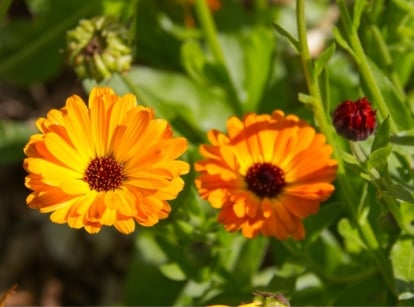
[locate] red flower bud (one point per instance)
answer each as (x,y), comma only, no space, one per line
(355,120)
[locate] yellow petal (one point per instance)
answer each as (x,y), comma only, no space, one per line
(125,226)
(78,126)
(65,153)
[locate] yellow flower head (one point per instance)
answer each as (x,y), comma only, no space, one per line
(109,163)
(266,175)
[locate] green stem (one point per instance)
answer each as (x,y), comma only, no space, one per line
(387,60)
(380,182)
(321,116)
(312,265)
(131,86)
(210,33)
(348,192)
(363,65)
(209,29)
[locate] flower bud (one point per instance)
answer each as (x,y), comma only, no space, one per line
(267,299)
(355,120)
(98,47)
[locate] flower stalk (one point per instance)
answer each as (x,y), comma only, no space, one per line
(363,65)
(209,30)
(321,116)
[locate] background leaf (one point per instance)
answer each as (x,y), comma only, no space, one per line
(402,259)
(36,45)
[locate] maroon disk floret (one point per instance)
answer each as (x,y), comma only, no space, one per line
(355,120)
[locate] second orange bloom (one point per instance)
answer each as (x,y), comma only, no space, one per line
(266,174)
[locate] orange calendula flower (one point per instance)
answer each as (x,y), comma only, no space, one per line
(266,175)
(110,163)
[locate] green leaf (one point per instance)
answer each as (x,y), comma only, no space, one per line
(306,99)
(173,271)
(403,138)
(194,60)
(123,10)
(359,6)
(367,292)
(400,192)
(258,68)
(248,72)
(33,51)
(323,59)
(282,284)
(295,43)
(155,46)
(397,107)
(315,224)
(13,136)
(405,5)
(250,258)
(348,158)
(407,213)
(342,42)
(382,135)
(402,259)
(144,281)
(353,241)
(379,157)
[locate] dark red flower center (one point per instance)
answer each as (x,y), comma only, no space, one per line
(104,174)
(265,179)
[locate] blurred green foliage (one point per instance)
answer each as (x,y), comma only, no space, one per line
(360,253)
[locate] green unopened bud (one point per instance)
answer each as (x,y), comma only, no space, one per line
(267,299)
(98,47)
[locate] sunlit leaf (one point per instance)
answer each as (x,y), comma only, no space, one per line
(407,213)
(348,158)
(353,241)
(173,271)
(402,259)
(379,157)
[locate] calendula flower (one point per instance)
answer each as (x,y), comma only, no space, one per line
(110,163)
(355,120)
(266,175)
